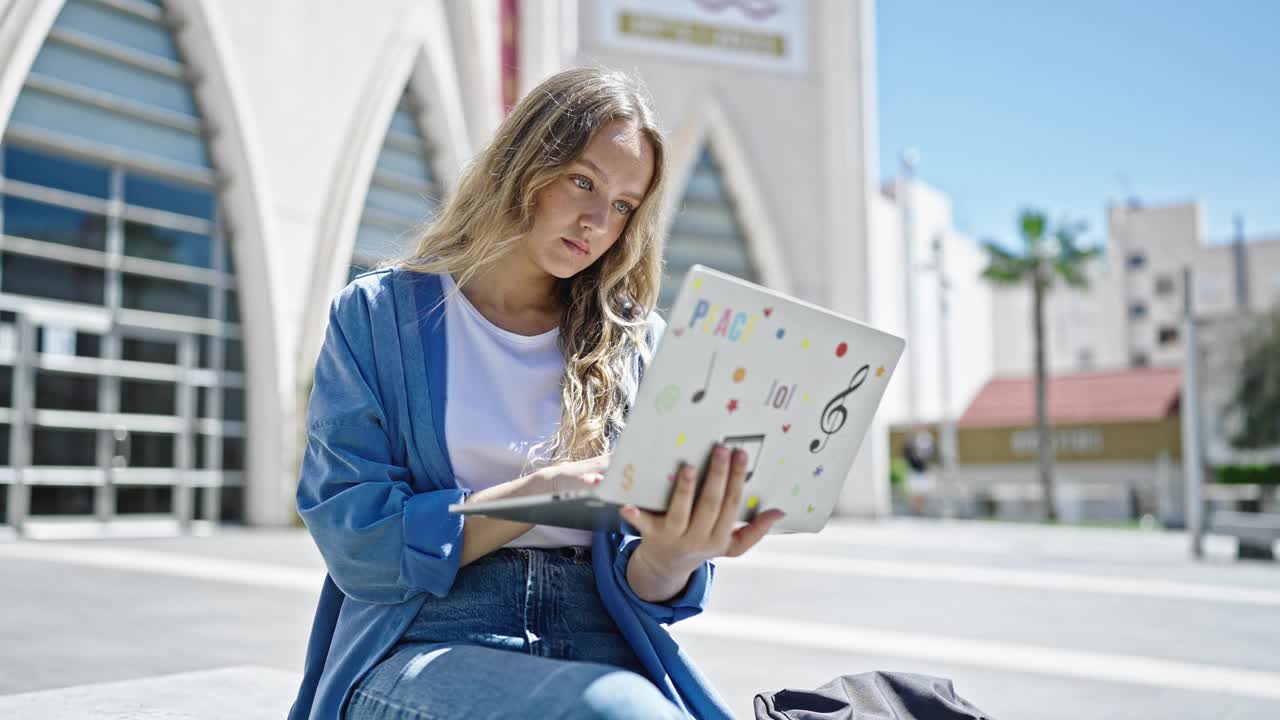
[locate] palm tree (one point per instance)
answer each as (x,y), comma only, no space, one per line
(1048,255)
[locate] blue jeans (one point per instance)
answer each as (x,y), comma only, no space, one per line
(521,634)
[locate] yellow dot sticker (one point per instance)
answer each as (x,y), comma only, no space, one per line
(739,375)
(680,439)
(697,283)
(805,343)
(807,397)
(752,502)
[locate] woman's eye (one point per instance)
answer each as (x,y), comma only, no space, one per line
(622,207)
(582,182)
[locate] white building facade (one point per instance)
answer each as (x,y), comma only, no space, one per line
(949,357)
(1131,315)
(187,182)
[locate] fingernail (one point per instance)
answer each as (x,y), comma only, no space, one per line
(721,451)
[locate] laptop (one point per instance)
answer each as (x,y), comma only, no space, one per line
(793,384)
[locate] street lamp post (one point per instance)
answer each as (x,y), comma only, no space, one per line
(1192,458)
(946,423)
(906,196)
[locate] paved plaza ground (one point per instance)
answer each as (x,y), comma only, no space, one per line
(1029,621)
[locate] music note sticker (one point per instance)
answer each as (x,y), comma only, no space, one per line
(702,393)
(752,445)
(835,414)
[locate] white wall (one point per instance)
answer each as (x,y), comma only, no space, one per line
(906,302)
(1169,237)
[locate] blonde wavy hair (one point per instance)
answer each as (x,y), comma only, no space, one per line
(605,306)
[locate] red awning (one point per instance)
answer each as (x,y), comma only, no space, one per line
(1111,396)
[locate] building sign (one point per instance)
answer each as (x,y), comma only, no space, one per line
(1077,442)
(763,34)
(1138,440)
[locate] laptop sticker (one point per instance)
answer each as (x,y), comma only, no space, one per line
(835,413)
(702,392)
(753,445)
(667,399)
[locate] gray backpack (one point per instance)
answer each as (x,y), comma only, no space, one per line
(870,696)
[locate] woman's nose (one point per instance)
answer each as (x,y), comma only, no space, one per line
(595,217)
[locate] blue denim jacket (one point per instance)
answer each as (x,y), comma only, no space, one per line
(374,492)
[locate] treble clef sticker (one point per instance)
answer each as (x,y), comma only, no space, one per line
(835,414)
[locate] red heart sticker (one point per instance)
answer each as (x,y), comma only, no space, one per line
(786,428)
(841,349)
(768,311)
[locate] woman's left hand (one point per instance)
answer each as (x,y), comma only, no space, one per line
(693,530)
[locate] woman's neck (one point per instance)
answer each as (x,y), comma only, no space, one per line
(516,295)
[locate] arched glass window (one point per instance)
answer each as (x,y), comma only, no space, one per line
(403,193)
(706,231)
(121,368)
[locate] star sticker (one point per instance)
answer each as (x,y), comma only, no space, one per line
(817,471)
(733,405)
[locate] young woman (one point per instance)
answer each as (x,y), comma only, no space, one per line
(499,360)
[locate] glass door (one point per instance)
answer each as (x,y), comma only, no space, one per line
(112,428)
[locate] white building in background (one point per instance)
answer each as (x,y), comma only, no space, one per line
(947,361)
(186,183)
(1131,315)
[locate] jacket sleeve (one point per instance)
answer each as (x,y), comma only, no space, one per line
(381,541)
(685,605)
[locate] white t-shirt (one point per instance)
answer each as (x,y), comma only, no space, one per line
(503,399)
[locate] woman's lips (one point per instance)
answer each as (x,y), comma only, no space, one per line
(576,247)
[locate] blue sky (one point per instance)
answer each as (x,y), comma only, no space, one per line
(1070,105)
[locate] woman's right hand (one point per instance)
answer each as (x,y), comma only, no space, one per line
(567,476)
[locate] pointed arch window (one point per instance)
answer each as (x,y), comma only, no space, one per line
(119,321)
(706,230)
(404,192)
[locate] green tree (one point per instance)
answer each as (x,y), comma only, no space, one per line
(1048,255)
(1256,398)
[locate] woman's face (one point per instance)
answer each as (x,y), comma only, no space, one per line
(581,214)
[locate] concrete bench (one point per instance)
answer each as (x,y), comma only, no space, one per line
(244,693)
(1256,532)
